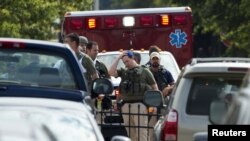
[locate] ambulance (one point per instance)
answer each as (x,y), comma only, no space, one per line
(170,28)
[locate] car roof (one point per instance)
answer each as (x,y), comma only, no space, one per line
(34,44)
(217,65)
(33,41)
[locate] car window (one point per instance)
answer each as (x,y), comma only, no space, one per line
(206,89)
(38,69)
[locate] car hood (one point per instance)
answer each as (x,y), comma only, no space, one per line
(48,120)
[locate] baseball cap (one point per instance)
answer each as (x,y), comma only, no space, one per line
(83,40)
(155,54)
(128,53)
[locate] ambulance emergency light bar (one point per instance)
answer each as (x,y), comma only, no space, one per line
(160,20)
(128,21)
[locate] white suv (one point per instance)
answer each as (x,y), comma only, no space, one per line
(199,83)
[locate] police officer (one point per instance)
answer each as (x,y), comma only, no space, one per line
(163,77)
(102,102)
(135,80)
(92,49)
(152,48)
(72,39)
(83,41)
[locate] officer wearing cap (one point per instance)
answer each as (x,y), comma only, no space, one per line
(152,48)
(163,77)
(83,41)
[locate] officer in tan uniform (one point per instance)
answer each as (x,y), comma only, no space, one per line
(135,80)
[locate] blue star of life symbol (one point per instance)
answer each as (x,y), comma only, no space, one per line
(178,38)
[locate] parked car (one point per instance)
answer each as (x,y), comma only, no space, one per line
(46,119)
(33,65)
(198,84)
(43,69)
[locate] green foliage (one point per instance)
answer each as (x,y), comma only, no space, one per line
(127,4)
(27,19)
(229,19)
(35,19)
(73,5)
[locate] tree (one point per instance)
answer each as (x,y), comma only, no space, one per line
(27,18)
(230,19)
(35,19)
(126,4)
(73,5)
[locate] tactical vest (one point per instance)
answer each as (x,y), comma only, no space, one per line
(160,78)
(133,84)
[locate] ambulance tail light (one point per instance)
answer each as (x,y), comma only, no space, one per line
(179,20)
(76,24)
(110,22)
(165,20)
(146,20)
(91,23)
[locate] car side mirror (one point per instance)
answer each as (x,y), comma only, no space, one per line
(153,98)
(101,86)
(218,109)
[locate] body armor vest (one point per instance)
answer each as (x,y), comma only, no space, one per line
(133,84)
(160,78)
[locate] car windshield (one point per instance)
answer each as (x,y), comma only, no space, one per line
(38,69)
(166,60)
